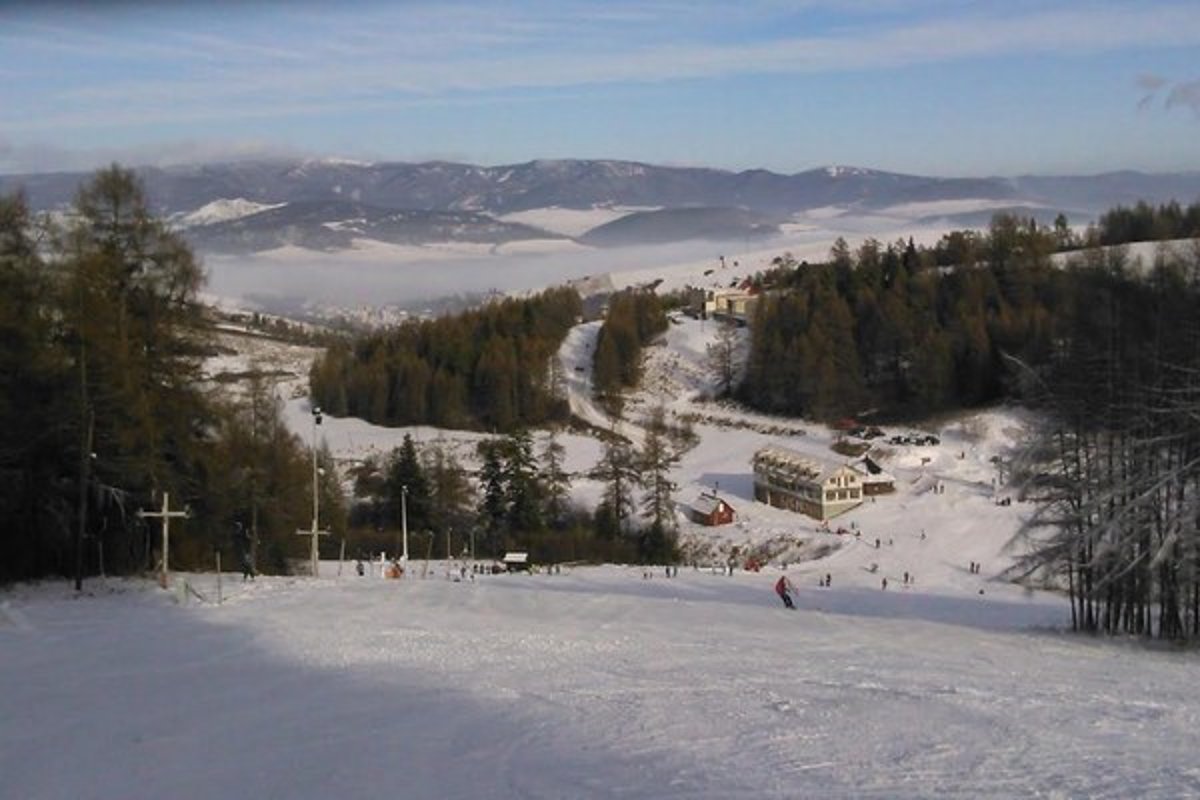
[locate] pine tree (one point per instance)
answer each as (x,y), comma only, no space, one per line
(450,491)
(656,461)
(556,484)
(407,479)
(523,492)
(492,509)
(618,472)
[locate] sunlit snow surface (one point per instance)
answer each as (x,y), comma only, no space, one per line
(598,682)
(593,683)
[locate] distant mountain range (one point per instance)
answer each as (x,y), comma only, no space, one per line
(328,204)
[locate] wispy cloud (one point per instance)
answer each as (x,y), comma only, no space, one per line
(1151,83)
(421,50)
(309,70)
(1186,95)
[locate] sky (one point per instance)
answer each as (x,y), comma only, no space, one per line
(939,88)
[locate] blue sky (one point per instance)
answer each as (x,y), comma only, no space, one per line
(943,88)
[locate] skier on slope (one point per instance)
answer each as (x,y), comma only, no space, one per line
(783,588)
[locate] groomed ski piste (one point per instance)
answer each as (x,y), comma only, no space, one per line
(614,680)
(596,682)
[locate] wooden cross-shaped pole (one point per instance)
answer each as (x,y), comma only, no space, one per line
(165,514)
(314,533)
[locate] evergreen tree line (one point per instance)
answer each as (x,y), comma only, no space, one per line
(489,368)
(517,498)
(1146,223)
(884,331)
(633,319)
(904,331)
(102,407)
(1117,467)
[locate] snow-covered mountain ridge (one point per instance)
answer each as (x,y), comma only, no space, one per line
(296,187)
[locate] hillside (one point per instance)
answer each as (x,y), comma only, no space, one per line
(611,680)
(325,204)
(682,224)
(962,523)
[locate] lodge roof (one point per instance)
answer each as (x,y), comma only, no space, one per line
(775,456)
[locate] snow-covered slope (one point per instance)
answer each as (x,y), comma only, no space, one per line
(593,683)
(614,681)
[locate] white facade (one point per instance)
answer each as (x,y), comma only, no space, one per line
(788,479)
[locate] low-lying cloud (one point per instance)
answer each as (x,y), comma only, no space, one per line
(29,158)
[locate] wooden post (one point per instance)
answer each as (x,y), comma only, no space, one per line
(165,514)
(313,552)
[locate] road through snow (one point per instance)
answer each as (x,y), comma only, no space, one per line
(575,355)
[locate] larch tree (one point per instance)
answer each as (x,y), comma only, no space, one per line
(136,335)
(619,472)
(721,356)
(35,398)
(451,494)
(656,461)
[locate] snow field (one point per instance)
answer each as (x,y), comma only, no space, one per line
(600,683)
(593,683)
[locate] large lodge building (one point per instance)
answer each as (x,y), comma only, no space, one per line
(788,479)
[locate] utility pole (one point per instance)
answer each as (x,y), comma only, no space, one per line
(404,523)
(316,413)
(315,532)
(85,476)
(165,514)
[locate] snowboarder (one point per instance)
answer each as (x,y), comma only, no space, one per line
(783,587)
(828,580)
(883,584)
(359,568)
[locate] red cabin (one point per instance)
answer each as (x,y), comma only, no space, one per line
(709,509)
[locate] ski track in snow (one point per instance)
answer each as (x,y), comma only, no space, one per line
(593,683)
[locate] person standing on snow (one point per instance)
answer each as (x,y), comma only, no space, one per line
(783,588)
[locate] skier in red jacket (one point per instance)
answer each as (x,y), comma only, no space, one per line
(782,588)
